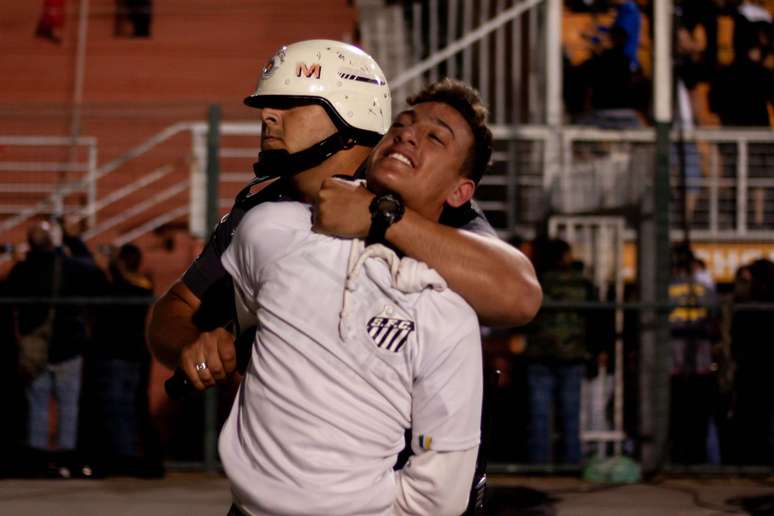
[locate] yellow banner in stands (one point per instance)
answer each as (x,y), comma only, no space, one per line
(722,258)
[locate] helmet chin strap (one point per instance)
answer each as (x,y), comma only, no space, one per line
(279,162)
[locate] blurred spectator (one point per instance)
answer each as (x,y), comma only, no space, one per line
(685,155)
(51,20)
(556,352)
(627,20)
(752,27)
(133,18)
(692,329)
(61,328)
(740,96)
(690,67)
(627,23)
(610,86)
(742,90)
(699,21)
(71,228)
(701,274)
(754,356)
(121,372)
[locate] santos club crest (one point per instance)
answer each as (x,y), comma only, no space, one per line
(388,333)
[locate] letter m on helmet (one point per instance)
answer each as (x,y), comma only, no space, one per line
(308,71)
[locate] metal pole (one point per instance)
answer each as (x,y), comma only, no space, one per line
(92,188)
(741,186)
(654,258)
(553,33)
(213,165)
(80,69)
(213,171)
(80,72)
(553,96)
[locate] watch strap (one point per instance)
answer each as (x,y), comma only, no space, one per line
(378,229)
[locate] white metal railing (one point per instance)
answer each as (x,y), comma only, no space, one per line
(56,191)
(478,41)
(146,204)
(595,170)
(52,203)
(603,169)
(599,243)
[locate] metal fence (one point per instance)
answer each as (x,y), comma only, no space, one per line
(721,179)
(730,404)
(498,46)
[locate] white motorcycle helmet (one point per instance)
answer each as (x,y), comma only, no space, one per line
(341,78)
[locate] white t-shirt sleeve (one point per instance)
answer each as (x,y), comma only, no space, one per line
(266,233)
(448,385)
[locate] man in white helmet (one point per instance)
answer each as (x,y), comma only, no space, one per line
(355,345)
(323,105)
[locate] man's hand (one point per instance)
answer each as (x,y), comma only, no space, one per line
(341,209)
(216,350)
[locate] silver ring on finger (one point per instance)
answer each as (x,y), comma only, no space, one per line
(201,366)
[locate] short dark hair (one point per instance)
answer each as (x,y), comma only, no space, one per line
(682,256)
(467,102)
(131,255)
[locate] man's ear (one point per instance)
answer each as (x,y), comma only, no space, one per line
(462,193)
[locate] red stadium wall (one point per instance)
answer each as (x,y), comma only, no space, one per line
(200,52)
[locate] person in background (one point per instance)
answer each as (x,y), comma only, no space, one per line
(611,96)
(741,96)
(693,329)
(627,20)
(754,354)
(48,272)
(121,370)
(753,27)
(51,21)
(556,353)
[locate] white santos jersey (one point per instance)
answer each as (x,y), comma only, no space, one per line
(343,362)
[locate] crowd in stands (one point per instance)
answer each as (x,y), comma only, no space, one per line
(602,90)
(723,55)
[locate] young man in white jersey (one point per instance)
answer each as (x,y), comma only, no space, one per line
(324,105)
(355,345)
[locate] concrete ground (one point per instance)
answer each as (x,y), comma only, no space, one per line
(198,494)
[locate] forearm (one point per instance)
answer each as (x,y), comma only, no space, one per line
(171,325)
(435,483)
(496,279)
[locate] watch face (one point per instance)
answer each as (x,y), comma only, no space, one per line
(387,205)
(387,208)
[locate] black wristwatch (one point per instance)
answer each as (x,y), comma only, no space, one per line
(385,210)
